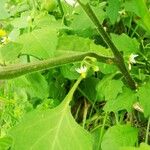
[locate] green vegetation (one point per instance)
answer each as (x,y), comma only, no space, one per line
(74,75)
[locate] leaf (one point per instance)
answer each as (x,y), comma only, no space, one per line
(119,136)
(34,84)
(85,27)
(69,71)
(5,143)
(140,9)
(144,98)
(143,146)
(40,43)
(90,93)
(10,51)
(112,10)
(126,44)
(73,43)
(52,129)
(123,101)
(4,13)
(108,88)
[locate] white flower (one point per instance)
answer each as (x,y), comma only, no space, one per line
(72,3)
(82,70)
(132,58)
(138,107)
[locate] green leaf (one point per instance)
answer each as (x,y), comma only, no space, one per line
(140,9)
(52,129)
(10,51)
(119,136)
(40,43)
(4,13)
(85,87)
(73,43)
(34,84)
(69,71)
(123,101)
(126,44)
(5,143)
(143,146)
(112,10)
(108,88)
(144,98)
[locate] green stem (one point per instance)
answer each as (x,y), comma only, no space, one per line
(118,57)
(8,72)
(147,131)
(102,130)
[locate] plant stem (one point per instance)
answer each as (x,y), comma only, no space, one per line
(147,131)
(13,71)
(118,57)
(102,130)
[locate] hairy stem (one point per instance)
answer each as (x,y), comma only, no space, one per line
(13,71)
(118,57)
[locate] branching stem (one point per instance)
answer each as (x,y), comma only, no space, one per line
(118,57)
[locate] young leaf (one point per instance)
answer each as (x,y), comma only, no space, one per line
(53,129)
(119,136)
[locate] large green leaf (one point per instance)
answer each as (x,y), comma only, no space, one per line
(144,98)
(53,129)
(112,10)
(119,136)
(123,101)
(40,43)
(126,44)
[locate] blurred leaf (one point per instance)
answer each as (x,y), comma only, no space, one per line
(119,136)
(73,43)
(112,10)
(40,43)
(123,101)
(126,44)
(140,9)
(143,146)
(144,98)
(5,143)
(10,51)
(3,12)
(108,88)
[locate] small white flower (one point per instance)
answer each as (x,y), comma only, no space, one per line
(138,107)
(132,58)
(72,3)
(82,70)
